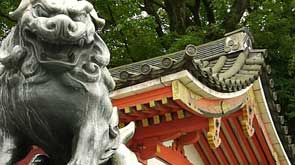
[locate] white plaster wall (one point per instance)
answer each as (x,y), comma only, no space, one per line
(155,161)
(190,152)
(192,155)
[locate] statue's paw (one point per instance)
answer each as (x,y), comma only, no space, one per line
(75,162)
(78,161)
(123,156)
(84,159)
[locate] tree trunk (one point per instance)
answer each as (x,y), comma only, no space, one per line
(209,11)
(237,10)
(148,7)
(195,9)
(176,10)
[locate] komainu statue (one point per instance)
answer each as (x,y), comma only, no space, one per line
(54,87)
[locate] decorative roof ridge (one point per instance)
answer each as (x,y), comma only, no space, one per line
(226,65)
(243,29)
(143,61)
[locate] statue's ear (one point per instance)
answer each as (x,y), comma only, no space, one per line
(98,22)
(16,14)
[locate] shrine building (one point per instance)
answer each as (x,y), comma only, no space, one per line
(207,104)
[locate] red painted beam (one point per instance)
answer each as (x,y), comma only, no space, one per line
(244,141)
(233,115)
(35,151)
(263,142)
(235,142)
(231,156)
(207,149)
(171,106)
(143,98)
(171,156)
(201,153)
(188,124)
(189,138)
(164,153)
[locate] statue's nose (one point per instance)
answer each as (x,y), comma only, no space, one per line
(62,25)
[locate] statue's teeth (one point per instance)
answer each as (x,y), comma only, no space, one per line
(81,42)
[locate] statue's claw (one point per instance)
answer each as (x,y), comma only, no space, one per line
(123,156)
(127,132)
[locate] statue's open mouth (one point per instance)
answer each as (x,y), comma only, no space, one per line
(56,52)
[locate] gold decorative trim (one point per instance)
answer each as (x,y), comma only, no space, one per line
(213,134)
(168,116)
(180,114)
(145,122)
(248,115)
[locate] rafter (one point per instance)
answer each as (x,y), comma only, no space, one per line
(207,149)
(237,126)
(262,142)
(230,154)
(258,149)
(188,124)
(143,98)
(221,155)
(231,137)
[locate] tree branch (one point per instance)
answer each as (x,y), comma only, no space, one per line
(158,4)
(6,16)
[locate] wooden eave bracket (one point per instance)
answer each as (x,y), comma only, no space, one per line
(189,138)
(213,134)
(192,102)
(248,115)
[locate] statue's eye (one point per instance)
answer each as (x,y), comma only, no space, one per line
(39,11)
(81,17)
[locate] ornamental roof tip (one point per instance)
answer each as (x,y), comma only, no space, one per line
(243,29)
(226,65)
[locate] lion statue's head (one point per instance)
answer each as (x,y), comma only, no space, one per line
(54,84)
(59,36)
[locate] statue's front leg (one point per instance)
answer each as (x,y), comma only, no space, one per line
(11,149)
(85,146)
(7,146)
(91,143)
(97,139)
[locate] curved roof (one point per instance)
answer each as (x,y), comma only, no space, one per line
(225,65)
(223,69)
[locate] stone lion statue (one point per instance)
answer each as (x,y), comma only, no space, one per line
(54,87)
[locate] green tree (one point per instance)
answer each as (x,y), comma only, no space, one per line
(142,29)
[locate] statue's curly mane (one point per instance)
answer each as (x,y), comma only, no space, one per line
(26,110)
(16,56)
(54,85)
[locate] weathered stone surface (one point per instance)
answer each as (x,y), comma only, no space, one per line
(54,86)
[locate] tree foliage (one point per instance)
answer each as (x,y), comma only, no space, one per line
(142,29)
